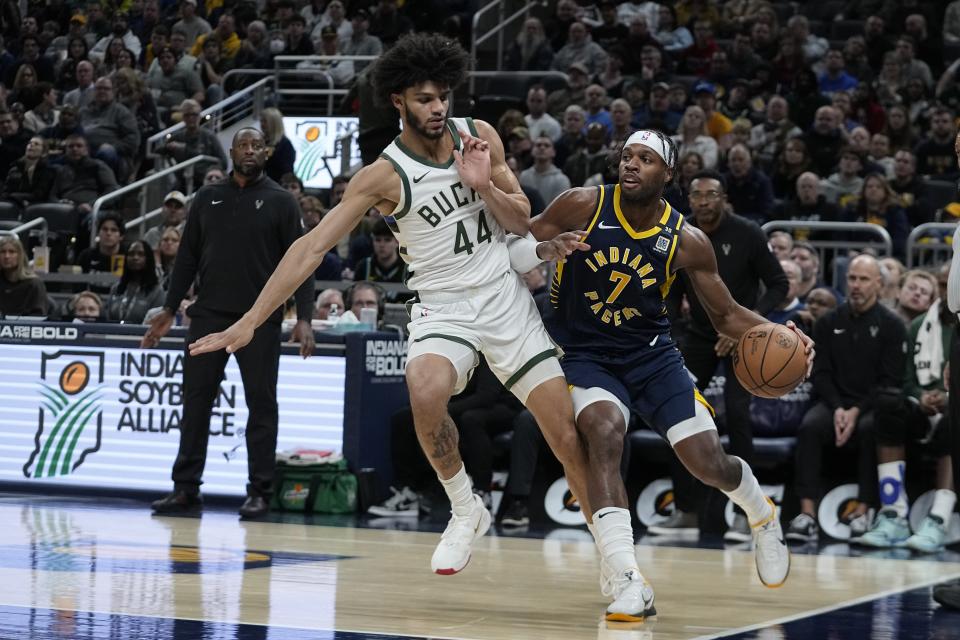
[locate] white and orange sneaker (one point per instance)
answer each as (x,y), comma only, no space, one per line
(771,550)
(453,552)
(633,600)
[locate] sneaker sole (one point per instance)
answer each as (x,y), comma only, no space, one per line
(737,537)
(482,528)
(782,582)
(799,537)
(387,513)
(659,531)
(627,617)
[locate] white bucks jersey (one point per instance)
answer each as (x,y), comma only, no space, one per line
(446,236)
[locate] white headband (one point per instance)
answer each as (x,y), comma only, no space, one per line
(653,140)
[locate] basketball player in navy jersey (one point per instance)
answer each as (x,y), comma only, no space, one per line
(607,312)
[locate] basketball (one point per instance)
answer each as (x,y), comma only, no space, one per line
(769,360)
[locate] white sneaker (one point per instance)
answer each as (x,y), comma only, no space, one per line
(771,551)
(634,599)
(453,552)
(607,579)
(404,502)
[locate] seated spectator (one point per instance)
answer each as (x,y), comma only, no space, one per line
(132,93)
(31,178)
(211,67)
(166,254)
(282,154)
(83,94)
(677,194)
(612,78)
(334,16)
(824,140)
(656,112)
(294,185)
(120,30)
(531,50)
(21,292)
(159,39)
(891,79)
(214,175)
(173,213)
(788,62)
(139,288)
(173,84)
(936,156)
(911,189)
(192,25)
(791,305)
(329,301)
(573,94)
(538,121)
(819,302)
(298,43)
(520,146)
(880,155)
(580,48)
(793,162)
(82,179)
(898,129)
(879,204)
(111,130)
(66,71)
(764,40)
(928,49)
(692,136)
(178,44)
(363,294)
(919,416)
(56,135)
(918,290)
(610,32)
(544,175)
(596,104)
(807,204)
(781,244)
(107,254)
(912,67)
(360,43)
(695,60)
(717,124)
(30,56)
(737,105)
(805,99)
(45,113)
(809,261)
(915,97)
(225,33)
(813,47)
(749,191)
(13,140)
(573,137)
(254,50)
(86,306)
(588,160)
(857,374)
(845,185)
(673,36)
(892,271)
(620,116)
(385,265)
(193,140)
(835,77)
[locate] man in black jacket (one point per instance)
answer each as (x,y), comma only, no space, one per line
(858,375)
(744,260)
(245,224)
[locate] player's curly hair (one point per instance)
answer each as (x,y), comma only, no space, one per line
(417,58)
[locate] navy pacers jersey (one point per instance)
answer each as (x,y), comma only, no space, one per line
(610,300)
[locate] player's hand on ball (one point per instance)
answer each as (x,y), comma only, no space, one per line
(473,163)
(234,338)
(807,345)
(562,246)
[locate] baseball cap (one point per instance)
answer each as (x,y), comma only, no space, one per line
(704,87)
(328,31)
(176,196)
(662,86)
(78,18)
(578,66)
(361,13)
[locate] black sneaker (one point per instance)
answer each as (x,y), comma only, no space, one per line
(178,502)
(516,514)
(803,528)
(739,531)
(948,595)
(680,522)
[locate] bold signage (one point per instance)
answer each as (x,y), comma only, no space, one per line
(318,154)
(110,417)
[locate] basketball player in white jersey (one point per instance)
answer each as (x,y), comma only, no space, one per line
(450,198)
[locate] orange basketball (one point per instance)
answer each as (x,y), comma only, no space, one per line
(769,360)
(74,377)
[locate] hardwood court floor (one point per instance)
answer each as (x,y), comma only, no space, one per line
(73,568)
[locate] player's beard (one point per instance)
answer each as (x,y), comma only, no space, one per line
(417,125)
(645,195)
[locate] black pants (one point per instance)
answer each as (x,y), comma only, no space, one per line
(477,429)
(954,406)
(410,466)
(259,362)
(815,434)
(702,361)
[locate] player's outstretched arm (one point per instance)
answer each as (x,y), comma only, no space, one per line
(572,210)
(365,190)
(695,255)
(483,167)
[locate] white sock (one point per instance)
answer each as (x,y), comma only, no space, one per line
(592,526)
(893,495)
(943,503)
(614,536)
(460,492)
(749,496)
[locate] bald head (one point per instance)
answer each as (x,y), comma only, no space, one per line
(863,282)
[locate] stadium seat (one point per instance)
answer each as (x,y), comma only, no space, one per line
(940,193)
(9,211)
(61,218)
(843,29)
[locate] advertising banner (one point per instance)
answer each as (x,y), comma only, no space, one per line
(110,416)
(318,154)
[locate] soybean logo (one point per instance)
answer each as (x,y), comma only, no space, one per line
(70,420)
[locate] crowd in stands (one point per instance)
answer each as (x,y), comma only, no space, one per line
(842,111)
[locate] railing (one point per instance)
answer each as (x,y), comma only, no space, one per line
(918,242)
(142,220)
(242,104)
(133,186)
(498,30)
(884,246)
(26,226)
